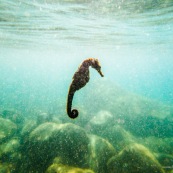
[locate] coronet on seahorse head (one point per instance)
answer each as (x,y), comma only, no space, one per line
(96,65)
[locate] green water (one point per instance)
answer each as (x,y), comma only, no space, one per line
(130,112)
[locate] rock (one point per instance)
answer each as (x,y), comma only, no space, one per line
(118,137)
(159,145)
(99,122)
(56,120)
(6,168)
(121,102)
(60,168)
(9,151)
(50,140)
(43,117)
(99,154)
(165,160)
(7,129)
(134,158)
(14,116)
(142,117)
(28,126)
(149,125)
(66,144)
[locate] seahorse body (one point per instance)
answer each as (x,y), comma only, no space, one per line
(80,79)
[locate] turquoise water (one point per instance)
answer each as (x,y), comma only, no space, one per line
(42,43)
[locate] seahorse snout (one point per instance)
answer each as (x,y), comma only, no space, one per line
(100,72)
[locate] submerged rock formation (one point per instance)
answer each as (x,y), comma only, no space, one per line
(50,140)
(134,158)
(141,116)
(66,144)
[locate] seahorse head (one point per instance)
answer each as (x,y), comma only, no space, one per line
(96,65)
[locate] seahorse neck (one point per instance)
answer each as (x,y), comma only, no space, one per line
(88,62)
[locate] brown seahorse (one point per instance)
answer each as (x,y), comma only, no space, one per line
(80,79)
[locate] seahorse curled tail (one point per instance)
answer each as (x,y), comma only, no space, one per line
(71,113)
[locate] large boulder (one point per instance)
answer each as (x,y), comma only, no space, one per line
(66,144)
(49,140)
(134,158)
(100,151)
(143,117)
(7,129)
(120,102)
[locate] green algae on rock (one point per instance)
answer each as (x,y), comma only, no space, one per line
(134,158)
(159,145)
(7,129)
(99,122)
(100,152)
(165,160)
(10,151)
(60,168)
(14,115)
(50,140)
(118,137)
(6,168)
(28,126)
(66,144)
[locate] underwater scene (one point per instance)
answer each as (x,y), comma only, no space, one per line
(86,86)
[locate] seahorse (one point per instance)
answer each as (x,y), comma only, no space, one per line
(80,79)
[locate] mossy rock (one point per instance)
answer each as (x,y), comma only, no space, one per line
(118,137)
(159,145)
(99,122)
(49,140)
(134,158)
(7,129)
(60,168)
(9,151)
(28,126)
(166,161)
(13,115)
(43,117)
(6,168)
(100,152)
(149,125)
